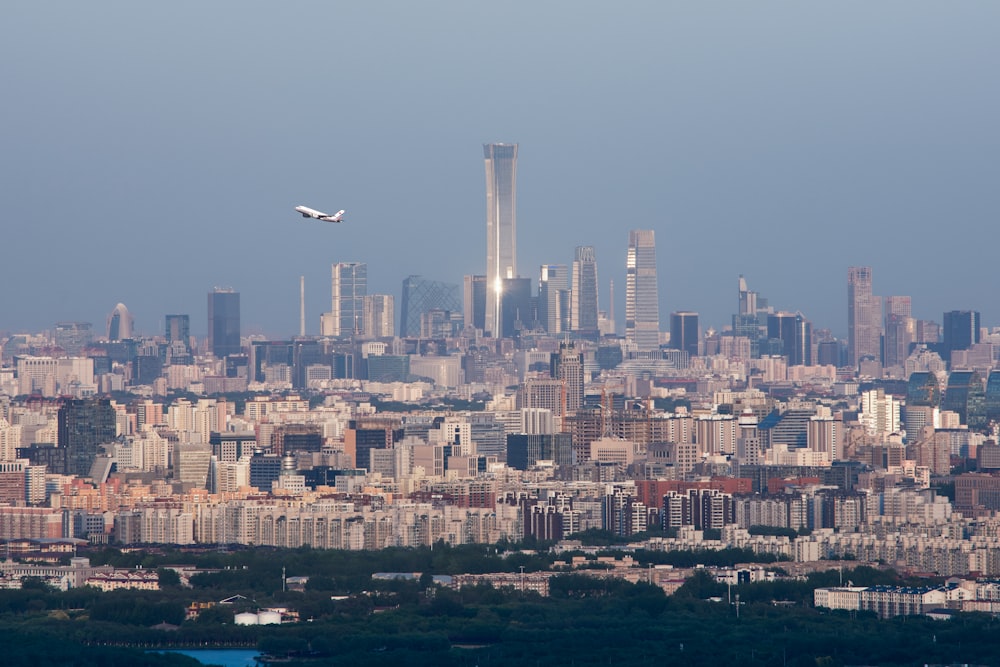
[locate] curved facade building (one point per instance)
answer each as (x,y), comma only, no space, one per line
(501,227)
(966,396)
(923,389)
(993,397)
(119,323)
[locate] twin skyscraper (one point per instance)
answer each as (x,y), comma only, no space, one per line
(500,302)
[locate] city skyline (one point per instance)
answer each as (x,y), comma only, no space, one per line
(829,157)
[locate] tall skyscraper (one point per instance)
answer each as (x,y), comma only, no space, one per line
(864,316)
(421,296)
(583,296)
(516,311)
(747,299)
(474,302)
(684,332)
(567,366)
(642,304)
(960,330)
(900,330)
(119,323)
(178,329)
(553,292)
(795,333)
(501,226)
(224,322)
(379,318)
(349,288)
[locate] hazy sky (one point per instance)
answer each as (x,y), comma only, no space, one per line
(151,151)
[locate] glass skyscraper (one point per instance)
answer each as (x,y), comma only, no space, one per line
(583,296)
(864,316)
(224,322)
(553,289)
(642,301)
(684,332)
(349,287)
(501,227)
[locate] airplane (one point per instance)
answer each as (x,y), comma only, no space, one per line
(319,215)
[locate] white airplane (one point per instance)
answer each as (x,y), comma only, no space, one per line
(319,215)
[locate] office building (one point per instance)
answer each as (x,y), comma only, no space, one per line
(178,329)
(583,295)
(73,337)
(517,313)
(965,395)
(379,316)
(684,332)
(642,309)
(421,296)
(349,287)
(960,330)
(567,366)
(84,425)
(794,335)
(474,302)
(553,298)
(864,316)
(747,299)
(501,227)
(224,322)
(899,330)
(119,323)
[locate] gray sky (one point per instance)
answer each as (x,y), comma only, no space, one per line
(151,151)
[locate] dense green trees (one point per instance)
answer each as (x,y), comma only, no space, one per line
(585,621)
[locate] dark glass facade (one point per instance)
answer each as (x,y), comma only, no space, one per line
(84,425)
(966,396)
(923,389)
(961,331)
(684,332)
(224,322)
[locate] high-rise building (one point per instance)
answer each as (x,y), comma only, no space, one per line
(501,227)
(795,333)
(73,336)
(379,318)
(178,330)
(900,333)
(750,319)
(864,317)
(349,287)
(84,425)
(119,323)
(516,310)
(567,366)
(684,332)
(960,330)
(474,302)
(583,295)
(642,306)
(747,299)
(553,297)
(899,330)
(421,296)
(224,322)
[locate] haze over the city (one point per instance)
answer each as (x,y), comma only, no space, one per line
(152,152)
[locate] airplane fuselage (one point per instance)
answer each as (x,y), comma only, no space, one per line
(307,212)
